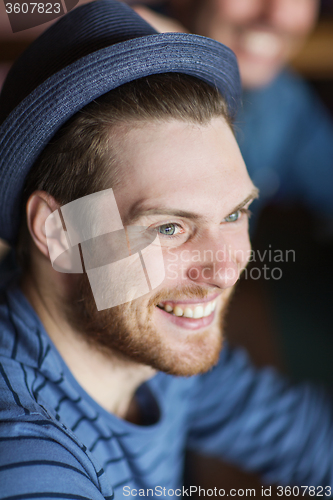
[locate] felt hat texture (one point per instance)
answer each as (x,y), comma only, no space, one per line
(88,52)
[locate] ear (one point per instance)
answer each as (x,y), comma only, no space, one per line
(39,206)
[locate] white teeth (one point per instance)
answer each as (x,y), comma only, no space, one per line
(198,312)
(262,44)
(208,310)
(178,311)
(188,313)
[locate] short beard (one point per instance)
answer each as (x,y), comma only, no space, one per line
(128,336)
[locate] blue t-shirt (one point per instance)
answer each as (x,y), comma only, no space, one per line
(57,442)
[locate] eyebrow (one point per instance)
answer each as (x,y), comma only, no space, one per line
(136,213)
(252,196)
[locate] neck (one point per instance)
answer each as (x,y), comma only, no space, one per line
(110,380)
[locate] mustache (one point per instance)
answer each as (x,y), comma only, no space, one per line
(180,292)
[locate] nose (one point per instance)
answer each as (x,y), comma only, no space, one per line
(241,11)
(213,263)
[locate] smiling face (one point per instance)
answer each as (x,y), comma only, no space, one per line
(264,34)
(188,183)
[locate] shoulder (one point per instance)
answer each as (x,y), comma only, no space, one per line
(287,91)
(39,457)
(35,449)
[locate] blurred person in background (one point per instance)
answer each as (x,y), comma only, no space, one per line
(284,132)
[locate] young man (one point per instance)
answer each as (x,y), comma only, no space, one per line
(107,129)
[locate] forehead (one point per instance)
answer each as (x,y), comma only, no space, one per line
(181,165)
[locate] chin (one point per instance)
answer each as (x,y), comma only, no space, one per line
(141,332)
(199,358)
(256,76)
(190,358)
(186,348)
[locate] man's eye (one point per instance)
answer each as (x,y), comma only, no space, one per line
(167,229)
(233,217)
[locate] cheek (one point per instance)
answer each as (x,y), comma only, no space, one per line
(304,16)
(241,245)
(237,11)
(175,264)
(296,17)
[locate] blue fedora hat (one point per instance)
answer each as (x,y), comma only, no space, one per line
(93,49)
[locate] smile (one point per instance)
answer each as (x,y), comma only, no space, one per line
(261,44)
(195,311)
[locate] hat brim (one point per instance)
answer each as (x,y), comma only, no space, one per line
(30,126)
